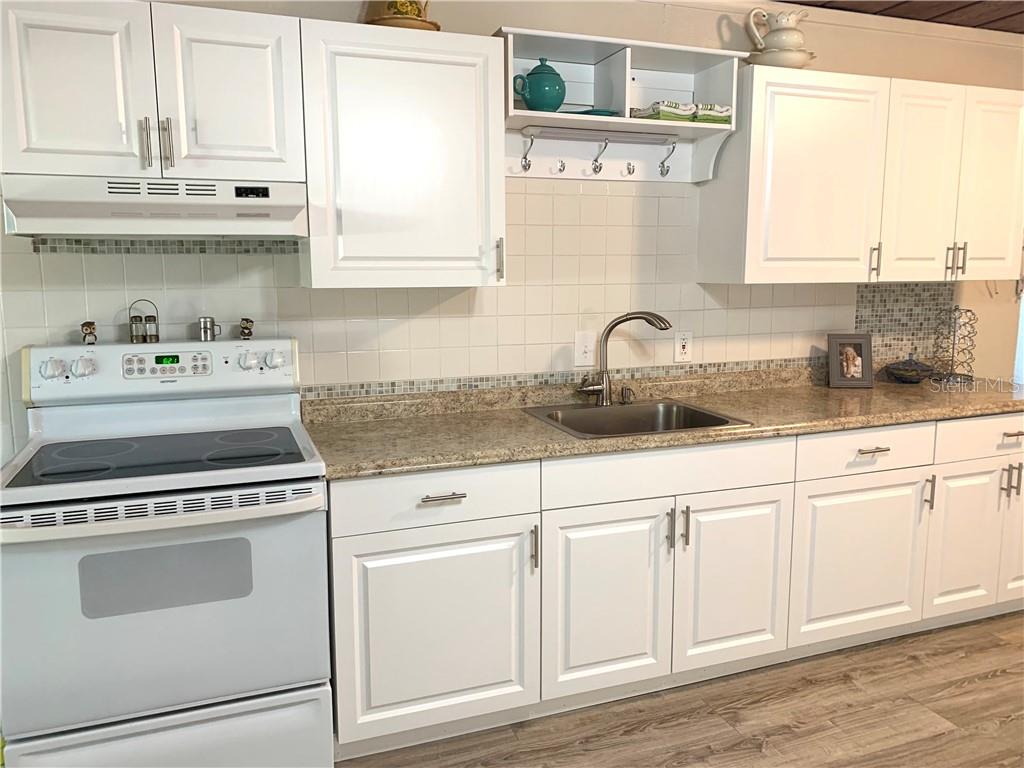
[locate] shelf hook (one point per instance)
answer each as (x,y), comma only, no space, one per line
(663,166)
(526,162)
(596,165)
(560,166)
(630,169)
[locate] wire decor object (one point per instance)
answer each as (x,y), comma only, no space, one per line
(956,331)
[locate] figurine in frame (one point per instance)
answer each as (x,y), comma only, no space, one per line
(849,360)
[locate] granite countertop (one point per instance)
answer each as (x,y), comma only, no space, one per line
(460,439)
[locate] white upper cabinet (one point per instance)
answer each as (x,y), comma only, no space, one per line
(78,89)
(607,596)
(405,139)
(732,575)
(990,212)
(798,198)
(922,163)
(229,88)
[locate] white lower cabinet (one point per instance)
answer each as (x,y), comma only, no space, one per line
(965,530)
(435,624)
(1011,558)
(607,596)
(858,554)
(731,575)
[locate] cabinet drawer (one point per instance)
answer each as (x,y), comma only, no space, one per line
(979,437)
(669,472)
(393,502)
(834,454)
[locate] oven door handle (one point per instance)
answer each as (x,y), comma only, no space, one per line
(313,503)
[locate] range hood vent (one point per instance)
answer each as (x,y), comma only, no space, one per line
(81,205)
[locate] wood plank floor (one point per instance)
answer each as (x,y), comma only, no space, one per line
(949,698)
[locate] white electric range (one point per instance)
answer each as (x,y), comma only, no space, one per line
(163,561)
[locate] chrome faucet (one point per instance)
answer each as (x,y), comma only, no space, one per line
(603,387)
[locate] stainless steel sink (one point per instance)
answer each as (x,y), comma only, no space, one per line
(645,418)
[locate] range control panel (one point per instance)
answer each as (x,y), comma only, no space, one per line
(123,372)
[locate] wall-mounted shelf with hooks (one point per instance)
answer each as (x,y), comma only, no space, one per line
(616,75)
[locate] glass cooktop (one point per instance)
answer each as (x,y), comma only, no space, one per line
(121,457)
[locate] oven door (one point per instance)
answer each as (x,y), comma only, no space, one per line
(106,621)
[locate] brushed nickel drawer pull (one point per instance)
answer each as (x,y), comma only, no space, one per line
(686,525)
(1013,435)
(872,451)
(453,496)
(535,547)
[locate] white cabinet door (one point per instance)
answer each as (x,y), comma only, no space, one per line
(964,533)
(405,139)
(858,554)
(435,624)
(78,89)
(731,575)
(1011,559)
(990,208)
(817,157)
(229,87)
(607,596)
(922,170)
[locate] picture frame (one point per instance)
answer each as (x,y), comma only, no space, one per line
(849,360)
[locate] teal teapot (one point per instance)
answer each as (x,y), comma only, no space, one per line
(542,89)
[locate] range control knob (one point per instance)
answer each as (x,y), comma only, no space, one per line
(274,359)
(82,367)
(53,368)
(248,360)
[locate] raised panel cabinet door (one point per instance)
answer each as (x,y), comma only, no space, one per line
(229,87)
(817,158)
(858,554)
(990,206)
(922,171)
(731,575)
(607,596)
(79,96)
(1011,558)
(964,533)
(435,624)
(405,139)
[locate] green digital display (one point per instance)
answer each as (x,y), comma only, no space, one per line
(166,359)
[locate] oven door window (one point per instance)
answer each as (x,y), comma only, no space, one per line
(155,578)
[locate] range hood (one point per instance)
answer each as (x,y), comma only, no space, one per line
(84,205)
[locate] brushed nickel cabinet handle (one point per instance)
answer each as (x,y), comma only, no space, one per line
(872,451)
(672,528)
(1020,477)
(875,265)
(167,131)
(930,499)
(962,267)
(499,255)
(453,496)
(1013,435)
(686,525)
(535,547)
(1008,488)
(951,261)
(147,141)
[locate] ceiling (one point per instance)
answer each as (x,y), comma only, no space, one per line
(1003,15)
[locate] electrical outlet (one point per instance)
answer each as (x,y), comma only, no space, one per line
(586,341)
(684,345)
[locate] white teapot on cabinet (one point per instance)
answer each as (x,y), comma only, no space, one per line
(783,43)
